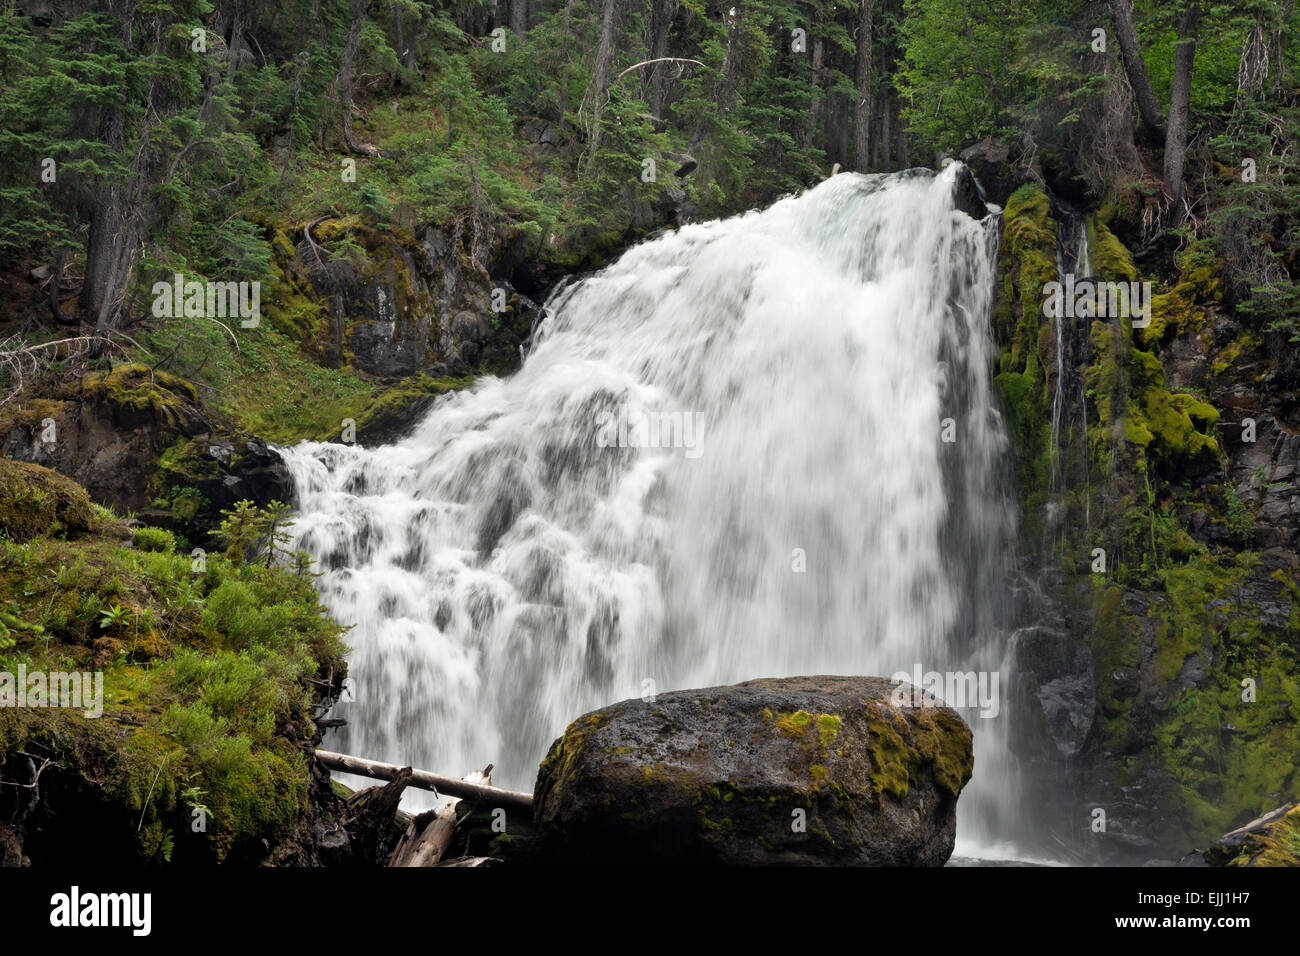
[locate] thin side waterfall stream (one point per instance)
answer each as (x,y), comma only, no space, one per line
(506,570)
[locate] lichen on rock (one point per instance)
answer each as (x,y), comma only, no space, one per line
(810,770)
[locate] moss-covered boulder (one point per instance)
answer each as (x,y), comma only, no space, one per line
(800,770)
(36,501)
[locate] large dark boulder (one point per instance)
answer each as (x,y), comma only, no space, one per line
(801,770)
(105,430)
(990,161)
(968,195)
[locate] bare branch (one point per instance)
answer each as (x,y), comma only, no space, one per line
(658,59)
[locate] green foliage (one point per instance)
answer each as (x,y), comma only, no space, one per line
(112,617)
(957,75)
(154,539)
(211,674)
(1254,223)
(1241,522)
(250,533)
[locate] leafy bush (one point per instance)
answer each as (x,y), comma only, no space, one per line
(154,539)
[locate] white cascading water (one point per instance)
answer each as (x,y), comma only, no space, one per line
(506,573)
(1073,263)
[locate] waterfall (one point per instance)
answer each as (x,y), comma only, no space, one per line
(1069,399)
(722,459)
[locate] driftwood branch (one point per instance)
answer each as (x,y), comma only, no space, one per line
(21,361)
(658,59)
(512,801)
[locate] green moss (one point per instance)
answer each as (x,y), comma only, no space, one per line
(393,406)
(210,678)
(154,539)
(902,749)
(794,724)
(1169,420)
(141,392)
(31,413)
(1133,403)
(828,728)
(37,501)
(1230,353)
(1114,650)
(1278,846)
(1222,758)
(1183,308)
(563,759)
(1027,262)
(891,758)
(944,742)
(1110,258)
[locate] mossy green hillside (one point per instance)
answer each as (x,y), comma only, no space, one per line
(208,684)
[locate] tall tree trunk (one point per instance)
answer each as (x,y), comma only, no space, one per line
(239,51)
(862,80)
(106,241)
(886,142)
(346,70)
(819,94)
(877,138)
(1179,98)
(1136,69)
(564,76)
(1276,55)
(594,102)
(399,38)
(661,18)
(903,160)
(844,129)
(519,17)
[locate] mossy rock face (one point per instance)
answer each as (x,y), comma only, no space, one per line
(801,770)
(36,501)
(398,409)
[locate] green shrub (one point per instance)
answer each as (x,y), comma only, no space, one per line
(154,539)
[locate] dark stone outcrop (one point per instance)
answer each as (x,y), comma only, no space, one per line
(139,440)
(967,194)
(990,161)
(1059,688)
(801,770)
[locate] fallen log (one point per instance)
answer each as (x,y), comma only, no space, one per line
(473,861)
(429,846)
(512,801)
